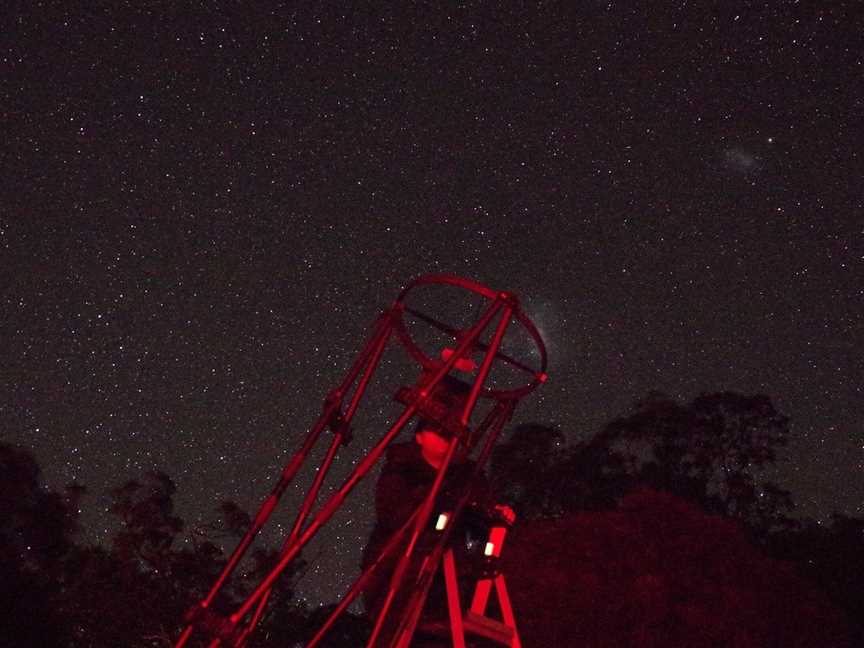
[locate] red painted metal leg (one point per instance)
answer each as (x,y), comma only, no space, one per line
(507,609)
(454,606)
(481,596)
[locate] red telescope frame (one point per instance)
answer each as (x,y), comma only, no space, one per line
(339,409)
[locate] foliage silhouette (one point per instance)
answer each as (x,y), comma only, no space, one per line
(659,530)
(134,592)
(710,451)
(36,529)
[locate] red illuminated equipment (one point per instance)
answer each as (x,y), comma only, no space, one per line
(482,343)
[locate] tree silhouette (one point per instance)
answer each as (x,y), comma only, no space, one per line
(148,524)
(525,470)
(36,529)
(703,462)
(710,451)
(642,535)
(133,592)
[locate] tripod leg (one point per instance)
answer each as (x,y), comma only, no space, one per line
(481,596)
(454,606)
(507,609)
(371,357)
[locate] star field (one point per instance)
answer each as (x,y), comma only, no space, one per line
(203,210)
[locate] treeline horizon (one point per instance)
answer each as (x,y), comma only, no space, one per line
(659,530)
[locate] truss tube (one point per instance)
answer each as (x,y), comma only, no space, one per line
(367,375)
(376,341)
(312,496)
(357,587)
(337,440)
(371,355)
(382,330)
(264,512)
(326,513)
(308,502)
(487,364)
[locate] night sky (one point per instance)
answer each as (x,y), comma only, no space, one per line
(203,209)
